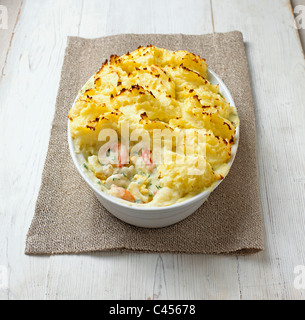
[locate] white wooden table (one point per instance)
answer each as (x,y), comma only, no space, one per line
(31,56)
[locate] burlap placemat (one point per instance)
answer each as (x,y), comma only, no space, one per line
(68,217)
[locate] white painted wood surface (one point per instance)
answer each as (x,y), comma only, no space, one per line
(28,89)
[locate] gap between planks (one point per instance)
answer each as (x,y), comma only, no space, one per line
(212,15)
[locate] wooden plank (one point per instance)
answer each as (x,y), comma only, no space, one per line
(106,17)
(142,276)
(277,70)
(6,35)
(27,99)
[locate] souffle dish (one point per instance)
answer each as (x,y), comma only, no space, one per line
(146,100)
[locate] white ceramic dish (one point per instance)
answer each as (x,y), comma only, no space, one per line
(153,217)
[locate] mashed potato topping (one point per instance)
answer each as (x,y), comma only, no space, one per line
(153,91)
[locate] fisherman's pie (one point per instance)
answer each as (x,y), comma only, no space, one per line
(157,94)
